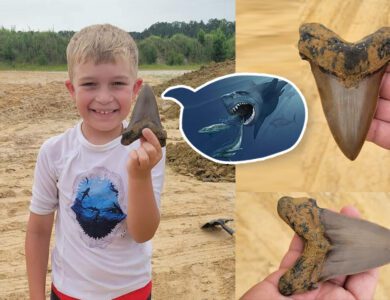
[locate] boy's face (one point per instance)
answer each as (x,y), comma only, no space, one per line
(103,95)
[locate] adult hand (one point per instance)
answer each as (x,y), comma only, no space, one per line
(142,160)
(359,286)
(379,132)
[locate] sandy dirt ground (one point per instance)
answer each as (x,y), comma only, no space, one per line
(187,262)
(267,37)
(263,238)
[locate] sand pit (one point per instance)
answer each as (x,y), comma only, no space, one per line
(187,261)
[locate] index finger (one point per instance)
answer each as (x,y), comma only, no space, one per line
(385,86)
(150,137)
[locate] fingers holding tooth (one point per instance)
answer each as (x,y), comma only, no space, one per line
(147,155)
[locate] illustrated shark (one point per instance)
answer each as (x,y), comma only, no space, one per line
(247,107)
(255,103)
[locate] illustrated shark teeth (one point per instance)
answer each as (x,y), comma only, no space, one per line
(247,121)
(334,245)
(237,106)
(145,115)
(348,77)
(251,118)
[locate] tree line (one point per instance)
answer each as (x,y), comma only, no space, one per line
(175,43)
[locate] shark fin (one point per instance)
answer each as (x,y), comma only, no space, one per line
(268,92)
(181,94)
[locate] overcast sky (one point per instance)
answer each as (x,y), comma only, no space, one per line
(131,15)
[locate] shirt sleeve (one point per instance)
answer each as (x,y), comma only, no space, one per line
(158,173)
(44,192)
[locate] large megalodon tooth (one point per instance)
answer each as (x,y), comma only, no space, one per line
(334,245)
(348,77)
(145,115)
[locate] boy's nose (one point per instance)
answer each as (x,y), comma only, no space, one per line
(104,97)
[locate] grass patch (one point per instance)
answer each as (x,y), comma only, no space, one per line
(29,67)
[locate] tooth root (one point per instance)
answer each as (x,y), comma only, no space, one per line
(348,111)
(348,77)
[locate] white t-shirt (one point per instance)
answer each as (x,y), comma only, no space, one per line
(94,256)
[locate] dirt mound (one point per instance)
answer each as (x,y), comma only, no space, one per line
(47,101)
(194,79)
(184,160)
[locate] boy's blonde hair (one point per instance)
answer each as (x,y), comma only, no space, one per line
(101,44)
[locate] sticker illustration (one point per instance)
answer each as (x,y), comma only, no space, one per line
(241,117)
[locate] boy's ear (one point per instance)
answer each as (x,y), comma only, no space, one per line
(136,88)
(70,87)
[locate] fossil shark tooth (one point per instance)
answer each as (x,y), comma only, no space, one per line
(145,115)
(348,77)
(334,245)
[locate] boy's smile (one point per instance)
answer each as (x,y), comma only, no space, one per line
(103,94)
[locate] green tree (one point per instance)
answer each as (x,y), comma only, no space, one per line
(219,50)
(201,36)
(147,52)
(230,47)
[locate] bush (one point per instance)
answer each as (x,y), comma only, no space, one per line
(175,58)
(147,53)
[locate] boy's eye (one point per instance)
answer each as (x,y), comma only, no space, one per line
(88,84)
(119,83)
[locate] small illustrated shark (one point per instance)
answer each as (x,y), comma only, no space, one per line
(255,103)
(214,128)
(281,122)
(230,149)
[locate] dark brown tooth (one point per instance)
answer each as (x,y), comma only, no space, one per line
(334,245)
(348,77)
(145,115)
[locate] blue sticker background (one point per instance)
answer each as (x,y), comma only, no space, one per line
(218,125)
(96,206)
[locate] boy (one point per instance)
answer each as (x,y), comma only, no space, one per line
(106,194)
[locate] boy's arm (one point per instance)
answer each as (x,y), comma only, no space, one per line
(37,252)
(143,215)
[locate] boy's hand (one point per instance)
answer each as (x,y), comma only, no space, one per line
(142,160)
